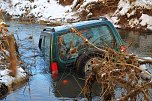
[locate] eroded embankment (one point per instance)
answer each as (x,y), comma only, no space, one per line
(126,14)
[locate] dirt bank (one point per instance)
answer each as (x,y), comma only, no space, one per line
(126,14)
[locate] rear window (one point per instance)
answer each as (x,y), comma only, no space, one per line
(70,44)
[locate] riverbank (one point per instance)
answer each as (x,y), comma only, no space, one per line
(12,72)
(126,14)
(9,83)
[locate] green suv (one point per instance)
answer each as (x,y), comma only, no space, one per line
(63,48)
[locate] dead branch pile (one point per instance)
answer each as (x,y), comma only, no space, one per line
(117,70)
(120,76)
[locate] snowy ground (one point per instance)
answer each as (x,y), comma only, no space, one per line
(44,10)
(6,79)
(8,82)
(125,8)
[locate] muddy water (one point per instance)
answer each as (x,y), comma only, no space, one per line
(41,87)
(140,43)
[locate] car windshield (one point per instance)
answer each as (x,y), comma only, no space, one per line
(70,44)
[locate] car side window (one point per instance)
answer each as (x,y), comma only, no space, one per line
(107,35)
(70,44)
(102,35)
(40,43)
(46,48)
(43,44)
(47,45)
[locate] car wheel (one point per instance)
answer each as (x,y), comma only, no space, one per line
(86,61)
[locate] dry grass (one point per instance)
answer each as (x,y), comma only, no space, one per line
(8,48)
(13,57)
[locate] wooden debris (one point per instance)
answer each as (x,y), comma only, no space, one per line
(118,70)
(13,56)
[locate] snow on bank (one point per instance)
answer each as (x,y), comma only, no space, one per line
(146,20)
(6,79)
(42,9)
(45,10)
(48,10)
(146,67)
(134,13)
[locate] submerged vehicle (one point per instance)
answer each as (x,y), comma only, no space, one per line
(63,48)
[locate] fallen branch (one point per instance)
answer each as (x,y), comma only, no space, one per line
(118,69)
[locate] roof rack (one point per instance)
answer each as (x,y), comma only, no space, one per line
(98,18)
(49,29)
(103,18)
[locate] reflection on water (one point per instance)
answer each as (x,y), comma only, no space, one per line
(40,86)
(37,89)
(68,86)
(140,42)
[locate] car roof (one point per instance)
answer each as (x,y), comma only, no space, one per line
(78,25)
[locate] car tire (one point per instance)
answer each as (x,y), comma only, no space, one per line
(83,61)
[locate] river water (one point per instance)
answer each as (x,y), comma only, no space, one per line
(41,87)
